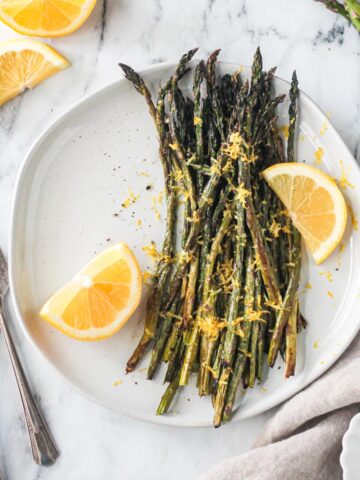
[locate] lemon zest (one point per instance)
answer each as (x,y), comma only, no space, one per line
(343,181)
(238,148)
(273,305)
(241,194)
(215,169)
(284,129)
(210,325)
(131,199)
(327,275)
(174,146)
(155,200)
(323,128)
(116,383)
(354,219)
(177,174)
(319,154)
(151,251)
(212,371)
(252,316)
(183,257)
(195,217)
(146,276)
(275,229)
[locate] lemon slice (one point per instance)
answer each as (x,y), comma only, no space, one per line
(24,64)
(45,18)
(100,299)
(314,202)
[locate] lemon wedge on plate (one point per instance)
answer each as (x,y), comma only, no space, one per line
(24,64)
(100,299)
(314,203)
(45,18)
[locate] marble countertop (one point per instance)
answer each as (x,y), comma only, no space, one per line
(95,443)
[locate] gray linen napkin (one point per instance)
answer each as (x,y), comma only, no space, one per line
(303,439)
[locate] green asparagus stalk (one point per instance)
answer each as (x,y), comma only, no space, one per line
(175,359)
(198,121)
(243,345)
(154,299)
(291,333)
(294,94)
(216,367)
(168,396)
(255,329)
(207,306)
(231,337)
(284,312)
(263,254)
(291,327)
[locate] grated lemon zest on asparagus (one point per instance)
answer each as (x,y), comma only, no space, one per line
(174,146)
(238,148)
(146,276)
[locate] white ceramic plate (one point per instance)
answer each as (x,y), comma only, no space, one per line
(68,207)
(350,455)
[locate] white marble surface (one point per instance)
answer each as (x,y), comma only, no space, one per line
(97,444)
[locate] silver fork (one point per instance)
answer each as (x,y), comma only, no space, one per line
(44,449)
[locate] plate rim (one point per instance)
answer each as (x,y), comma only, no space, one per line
(354,423)
(164,420)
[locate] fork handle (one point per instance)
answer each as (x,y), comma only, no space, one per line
(44,449)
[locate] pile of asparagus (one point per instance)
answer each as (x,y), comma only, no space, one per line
(227,297)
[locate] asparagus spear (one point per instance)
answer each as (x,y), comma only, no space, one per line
(154,299)
(207,307)
(284,312)
(243,345)
(291,331)
(168,396)
(234,303)
(255,329)
(291,327)
(294,94)
(216,366)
